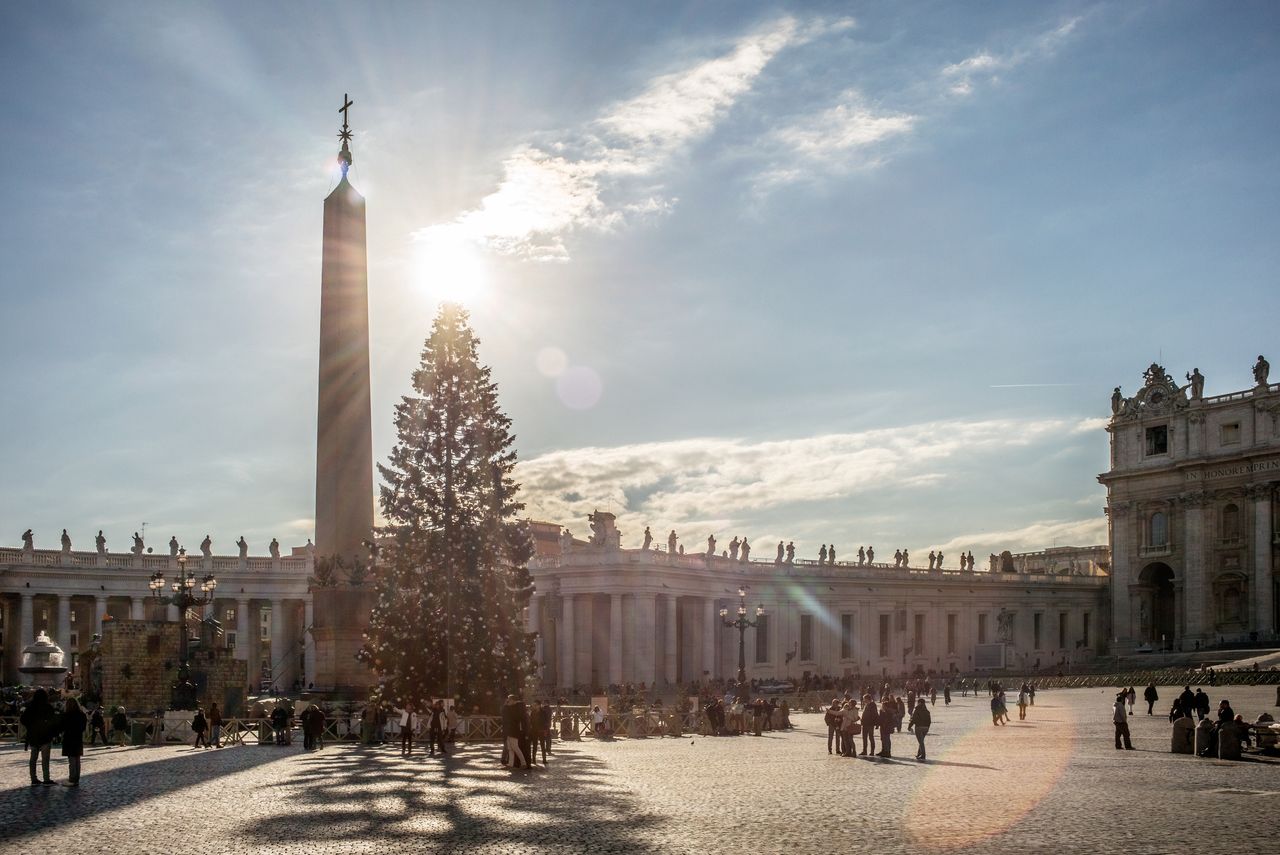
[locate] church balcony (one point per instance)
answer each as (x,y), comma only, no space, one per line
(1158,551)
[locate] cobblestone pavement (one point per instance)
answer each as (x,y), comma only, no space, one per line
(1053,782)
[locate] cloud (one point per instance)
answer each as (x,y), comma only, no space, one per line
(839,139)
(597,176)
(1033,537)
(986,67)
(715,484)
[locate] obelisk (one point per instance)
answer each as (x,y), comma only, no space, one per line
(344,435)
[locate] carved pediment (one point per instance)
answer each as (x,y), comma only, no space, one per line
(1159,396)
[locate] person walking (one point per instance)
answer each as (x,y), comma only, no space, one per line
(97,725)
(120,726)
(513,723)
(199,726)
(1202,703)
(920,722)
(1121,720)
(40,721)
(215,725)
(1022,703)
(870,721)
(1150,695)
(73,724)
(436,728)
(1131,697)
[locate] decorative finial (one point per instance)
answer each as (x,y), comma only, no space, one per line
(344,156)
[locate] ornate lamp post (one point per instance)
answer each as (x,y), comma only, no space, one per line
(740,623)
(184,596)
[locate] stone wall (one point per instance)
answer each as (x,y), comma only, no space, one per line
(140,664)
(341,618)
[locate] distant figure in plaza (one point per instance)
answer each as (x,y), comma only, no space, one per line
(28,541)
(791,552)
(200,726)
(932,558)
(274,548)
(71,726)
(1131,698)
(97,726)
(897,557)
(100,543)
(1121,720)
(781,549)
(870,721)
(1201,703)
(66,541)
(120,726)
(513,730)
(746,551)
(671,541)
(939,564)
(138,545)
(733,548)
(215,725)
(1023,700)
(436,728)
(244,547)
(850,725)
(41,723)
(1261,370)
(1117,401)
(648,538)
(173,546)
(711,545)
(831,554)
(888,718)
(408,721)
(822,554)
(920,722)
(871,555)
(1150,695)
(946,693)
(1196,381)
(862,556)
(206,547)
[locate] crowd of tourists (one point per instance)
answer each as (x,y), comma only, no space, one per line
(881,712)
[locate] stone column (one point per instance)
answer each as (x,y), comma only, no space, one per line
(567,644)
(615,639)
(138,608)
(243,638)
(669,647)
(1262,582)
(99,611)
(1122,572)
(64,623)
(278,644)
(26,624)
(629,666)
(308,642)
(534,625)
(709,619)
(646,632)
(1195,590)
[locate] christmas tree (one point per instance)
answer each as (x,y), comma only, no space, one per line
(451,577)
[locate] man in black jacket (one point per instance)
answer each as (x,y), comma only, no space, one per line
(870,721)
(40,721)
(1151,696)
(514,729)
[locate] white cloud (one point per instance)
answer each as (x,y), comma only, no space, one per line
(596,176)
(714,484)
(986,67)
(1033,537)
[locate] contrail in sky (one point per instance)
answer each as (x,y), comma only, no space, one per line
(1027,385)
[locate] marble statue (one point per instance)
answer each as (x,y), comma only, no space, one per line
(897,558)
(733,548)
(274,548)
(648,538)
(28,541)
(932,558)
(66,542)
(906,559)
(781,549)
(1117,402)
(566,541)
(1261,370)
(970,560)
(206,547)
(1196,380)
(671,541)
(746,551)
(101,543)
(831,554)
(244,547)
(138,546)
(871,555)
(791,552)
(173,546)
(939,565)
(311,548)
(1004,625)
(822,554)
(711,544)
(682,549)
(862,556)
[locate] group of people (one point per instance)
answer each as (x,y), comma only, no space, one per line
(525,729)
(442,727)
(730,715)
(845,721)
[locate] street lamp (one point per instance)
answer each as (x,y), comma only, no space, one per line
(184,596)
(741,623)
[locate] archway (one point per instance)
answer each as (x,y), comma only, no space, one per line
(1157,612)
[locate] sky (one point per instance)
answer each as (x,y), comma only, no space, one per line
(848,273)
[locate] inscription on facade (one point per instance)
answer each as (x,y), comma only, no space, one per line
(1238,469)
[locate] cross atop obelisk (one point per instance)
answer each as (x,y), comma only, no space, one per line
(345,134)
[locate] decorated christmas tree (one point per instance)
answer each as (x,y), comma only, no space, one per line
(451,577)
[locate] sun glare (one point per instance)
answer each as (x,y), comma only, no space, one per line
(451,269)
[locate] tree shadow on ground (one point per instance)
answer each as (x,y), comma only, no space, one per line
(173,769)
(464,801)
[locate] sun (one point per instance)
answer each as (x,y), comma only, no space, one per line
(450,268)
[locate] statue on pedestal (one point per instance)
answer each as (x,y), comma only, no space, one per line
(274,548)
(244,547)
(781,549)
(1117,402)
(791,552)
(970,560)
(66,542)
(906,559)
(648,538)
(862,556)
(939,564)
(871,555)
(28,541)
(1261,370)
(1196,381)
(101,543)
(173,546)
(897,558)
(1004,625)
(932,559)
(822,554)
(566,541)
(206,547)
(746,551)
(711,545)
(137,544)
(831,554)
(671,542)
(733,548)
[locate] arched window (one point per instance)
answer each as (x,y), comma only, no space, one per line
(1159,529)
(1230,522)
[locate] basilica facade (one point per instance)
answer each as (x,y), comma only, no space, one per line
(1192,507)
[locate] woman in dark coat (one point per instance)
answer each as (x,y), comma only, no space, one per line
(74,722)
(41,722)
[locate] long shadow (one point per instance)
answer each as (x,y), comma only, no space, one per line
(932,762)
(174,769)
(463,802)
